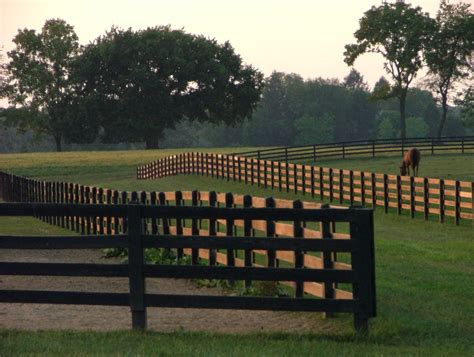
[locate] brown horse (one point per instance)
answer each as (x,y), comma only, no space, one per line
(411,158)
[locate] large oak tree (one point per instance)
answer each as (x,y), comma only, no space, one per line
(142,82)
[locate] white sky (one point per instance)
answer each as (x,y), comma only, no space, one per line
(300,36)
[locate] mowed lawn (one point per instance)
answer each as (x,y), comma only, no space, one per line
(424,272)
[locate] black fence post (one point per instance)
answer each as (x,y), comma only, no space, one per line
(341,186)
(363,265)
(426,199)
(212,227)
(229,202)
(195,227)
(270,232)
(321,184)
(412,197)
(331,185)
(299,256)
(154,223)
(135,265)
(248,233)
(399,195)
(457,203)
(179,223)
(441,201)
(326,233)
(164,221)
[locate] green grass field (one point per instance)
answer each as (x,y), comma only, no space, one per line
(424,271)
(447,166)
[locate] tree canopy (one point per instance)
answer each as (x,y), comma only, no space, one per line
(398,32)
(449,52)
(143,82)
(38,77)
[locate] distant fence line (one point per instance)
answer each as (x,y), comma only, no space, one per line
(20,189)
(372,148)
(428,196)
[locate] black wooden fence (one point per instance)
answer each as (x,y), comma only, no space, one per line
(360,246)
(455,144)
(440,198)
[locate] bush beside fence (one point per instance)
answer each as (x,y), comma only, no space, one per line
(428,196)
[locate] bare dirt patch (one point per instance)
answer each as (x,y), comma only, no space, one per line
(101,318)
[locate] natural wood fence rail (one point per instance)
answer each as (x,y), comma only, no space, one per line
(427,196)
(138,226)
(460,144)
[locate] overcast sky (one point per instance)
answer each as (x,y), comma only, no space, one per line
(301,36)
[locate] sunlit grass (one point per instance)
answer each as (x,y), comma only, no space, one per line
(424,271)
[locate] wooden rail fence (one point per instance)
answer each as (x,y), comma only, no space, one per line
(309,266)
(20,189)
(426,196)
(459,144)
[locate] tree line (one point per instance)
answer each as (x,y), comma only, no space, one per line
(166,87)
(124,86)
(295,111)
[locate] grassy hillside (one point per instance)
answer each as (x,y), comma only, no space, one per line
(424,273)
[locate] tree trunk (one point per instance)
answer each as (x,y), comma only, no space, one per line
(57,140)
(445,114)
(403,126)
(152,141)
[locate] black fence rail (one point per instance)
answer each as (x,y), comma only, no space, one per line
(459,144)
(360,246)
(21,189)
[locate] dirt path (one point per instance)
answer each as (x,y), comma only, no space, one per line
(75,317)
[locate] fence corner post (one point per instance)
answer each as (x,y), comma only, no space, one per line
(363,263)
(135,265)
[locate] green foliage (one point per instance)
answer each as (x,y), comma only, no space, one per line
(164,257)
(386,129)
(398,32)
(449,52)
(281,104)
(467,107)
(144,82)
(416,127)
(382,90)
(115,252)
(264,288)
(311,130)
(38,77)
(354,80)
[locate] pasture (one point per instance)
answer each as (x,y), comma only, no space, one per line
(424,272)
